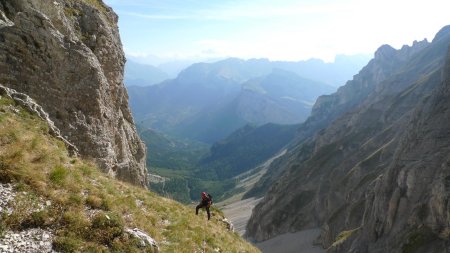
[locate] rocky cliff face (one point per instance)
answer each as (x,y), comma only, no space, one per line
(368,82)
(377,175)
(407,207)
(67,55)
(386,62)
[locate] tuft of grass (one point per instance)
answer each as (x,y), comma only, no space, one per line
(37,219)
(67,244)
(343,236)
(58,175)
(74,223)
(98,203)
(85,170)
(4,102)
(106,227)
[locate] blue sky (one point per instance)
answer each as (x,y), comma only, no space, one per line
(276,29)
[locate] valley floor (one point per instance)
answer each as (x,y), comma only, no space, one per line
(239,213)
(300,242)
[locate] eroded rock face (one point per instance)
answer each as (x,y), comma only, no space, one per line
(378,175)
(409,204)
(67,55)
(369,84)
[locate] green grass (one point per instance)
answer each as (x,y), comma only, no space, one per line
(343,236)
(58,175)
(89,210)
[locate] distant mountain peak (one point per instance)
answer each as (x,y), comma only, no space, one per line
(444,32)
(385,51)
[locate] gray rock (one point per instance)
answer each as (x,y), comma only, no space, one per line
(68,57)
(146,240)
(31,241)
(377,175)
(7,195)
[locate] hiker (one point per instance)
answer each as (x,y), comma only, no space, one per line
(205,202)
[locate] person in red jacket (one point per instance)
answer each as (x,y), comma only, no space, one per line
(205,203)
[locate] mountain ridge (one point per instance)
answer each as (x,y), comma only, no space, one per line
(208,101)
(142,74)
(338,181)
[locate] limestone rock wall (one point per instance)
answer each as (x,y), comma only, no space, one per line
(67,55)
(378,175)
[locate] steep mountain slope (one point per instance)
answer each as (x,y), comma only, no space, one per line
(387,63)
(199,87)
(67,55)
(207,101)
(166,105)
(52,202)
(142,74)
(375,178)
(409,205)
(281,97)
(334,74)
(246,148)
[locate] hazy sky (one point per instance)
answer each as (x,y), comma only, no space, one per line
(274,29)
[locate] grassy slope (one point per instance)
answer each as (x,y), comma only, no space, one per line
(38,164)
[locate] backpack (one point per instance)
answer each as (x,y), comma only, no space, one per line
(210,198)
(207,196)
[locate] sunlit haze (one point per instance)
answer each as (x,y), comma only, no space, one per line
(278,30)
